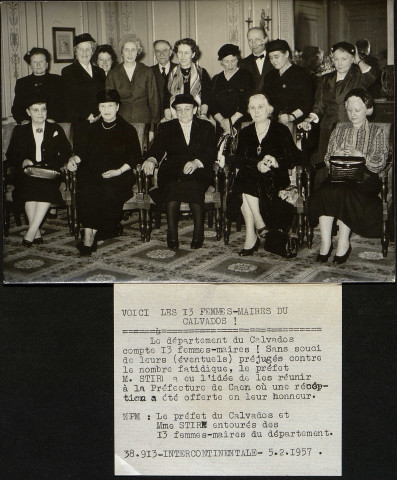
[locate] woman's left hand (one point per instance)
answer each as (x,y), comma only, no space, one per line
(270,161)
(190,167)
(112,173)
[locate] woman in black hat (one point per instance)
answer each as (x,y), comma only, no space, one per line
(82,81)
(104,160)
(188,145)
(329,106)
(37,143)
(288,87)
(42,83)
(230,90)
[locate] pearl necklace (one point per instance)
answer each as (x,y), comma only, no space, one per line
(108,128)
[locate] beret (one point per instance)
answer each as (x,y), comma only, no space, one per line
(277,46)
(84,37)
(228,49)
(349,47)
(184,98)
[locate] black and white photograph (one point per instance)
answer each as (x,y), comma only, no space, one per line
(198,141)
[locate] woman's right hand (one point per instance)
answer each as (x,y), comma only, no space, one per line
(262,166)
(73,163)
(26,163)
(149,165)
(306,124)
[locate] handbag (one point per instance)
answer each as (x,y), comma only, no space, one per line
(280,243)
(41,172)
(345,169)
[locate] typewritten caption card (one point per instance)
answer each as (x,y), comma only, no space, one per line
(228,379)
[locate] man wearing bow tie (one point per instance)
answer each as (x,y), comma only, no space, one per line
(258,62)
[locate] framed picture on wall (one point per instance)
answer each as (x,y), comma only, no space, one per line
(62,39)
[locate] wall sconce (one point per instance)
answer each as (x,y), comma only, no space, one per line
(249,19)
(265,19)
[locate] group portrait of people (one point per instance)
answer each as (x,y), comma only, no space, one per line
(108,112)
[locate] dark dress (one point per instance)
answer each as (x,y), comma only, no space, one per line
(99,200)
(55,152)
(278,142)
(173,184)
(290,91)
(48,85)
(357,204)
(231,96)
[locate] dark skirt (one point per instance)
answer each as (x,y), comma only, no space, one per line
(356,204)
(276,213)
(100,201)
(29,189)
(189,191)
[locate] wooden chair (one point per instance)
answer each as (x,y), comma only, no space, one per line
(212,204)
(386,194)
(140,201)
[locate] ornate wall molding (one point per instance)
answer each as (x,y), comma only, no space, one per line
(233,21)
(14,38)
(111,23)
(286,21)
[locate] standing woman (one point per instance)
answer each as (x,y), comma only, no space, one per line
(329,105)
(105,160)
(82,81)
(105,57)
(288,87)
(42,83)
(136,84)
(187,78)
(230,90)
(37,143)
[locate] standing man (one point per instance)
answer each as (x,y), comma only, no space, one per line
(258,62)
(163,52)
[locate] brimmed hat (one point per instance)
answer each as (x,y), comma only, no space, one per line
(349,47)
(84,37)
(277,46)
(228,49)
(184,98)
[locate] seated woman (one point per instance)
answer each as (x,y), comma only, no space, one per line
(264,154)
(230,90)
(356,206)
(37,143)
(106,155)
(186,172)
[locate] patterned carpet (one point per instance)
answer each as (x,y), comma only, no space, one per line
(127,259)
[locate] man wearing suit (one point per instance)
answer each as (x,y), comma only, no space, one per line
(185,149)
(82,81)
(163,52)
(258,62)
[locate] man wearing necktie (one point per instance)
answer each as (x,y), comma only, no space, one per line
(163,52)
(258,62)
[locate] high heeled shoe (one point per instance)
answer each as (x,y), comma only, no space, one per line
(324,258)
(261,232)
(38,241)
(195,244)
(246,252)
(26,243)
(173,244)
(84,250)
(342,259)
